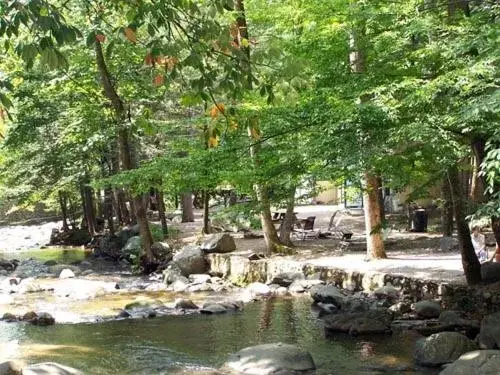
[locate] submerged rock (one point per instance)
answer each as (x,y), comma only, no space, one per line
(477,362)
(43,319)
(267,359)
(50,368)
(372,321)
(213,308)
(441,348)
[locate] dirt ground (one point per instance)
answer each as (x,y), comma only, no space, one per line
(412,254)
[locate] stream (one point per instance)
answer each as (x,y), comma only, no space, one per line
(193,343)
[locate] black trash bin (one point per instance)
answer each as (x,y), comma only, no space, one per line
(419,220)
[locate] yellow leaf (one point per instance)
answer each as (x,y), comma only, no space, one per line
(245,42)
(213,141)
(255,133)
(130,34)
(216,109)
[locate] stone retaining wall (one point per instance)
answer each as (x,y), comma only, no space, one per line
(240,271)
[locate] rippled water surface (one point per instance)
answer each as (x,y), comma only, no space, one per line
(194,343)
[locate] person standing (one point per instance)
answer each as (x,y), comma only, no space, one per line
(479,243)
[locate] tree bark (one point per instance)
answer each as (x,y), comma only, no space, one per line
(470,263)
(108,209)
(261,190)
(373,209)
(206,212)
(161,212)
(126,157)
(187,207)
(64,209)
(373,221)
(447,209)
(289,219)
(380,194)
(88,208)
(478,183)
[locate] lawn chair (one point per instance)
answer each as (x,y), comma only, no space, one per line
(336,230)
(305,229)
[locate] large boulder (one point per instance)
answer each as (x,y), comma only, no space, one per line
(162,251)
(490,272)
(477,362)
(441,348)
(50,368)
(173,273)
(275,359)
(219,243)
(368,322)
(489,334)
(132,248)
(428,309)
(191,260)
(327,294)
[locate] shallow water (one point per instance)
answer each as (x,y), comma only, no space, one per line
(189,344)
(63,255)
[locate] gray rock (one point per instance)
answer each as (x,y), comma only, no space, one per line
(326,309)
(213,308)
(296,287)
(219,243)
(259,289)
(172,273)
(29,316)
(66,274)
(400,308)
(478,362)
(286,279)
(50,262)
(266,359)
(9,318)
(199,278)
(327,294)
(10,368)
(490,272)
(43,319)
(489,335)
(144,305)
(186,304)
(441,348)
(29,285)
(369,322)
(387,291)
(162,251)
(179,286)
(87,272)
(132,248)
(190,260)
(58,268)
(50,368)
(428,309)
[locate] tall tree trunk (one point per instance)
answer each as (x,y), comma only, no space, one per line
(373,221)
(447,209)
(161,212)
(108,209)
(470,263)
(478,183)
(187,207)
(126,157)
(373,210)
(64,209)
(206,212)
(261,190)
(288,221)
(88,208)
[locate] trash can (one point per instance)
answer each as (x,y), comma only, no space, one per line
(419,220)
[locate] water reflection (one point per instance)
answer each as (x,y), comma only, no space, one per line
(197,343)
